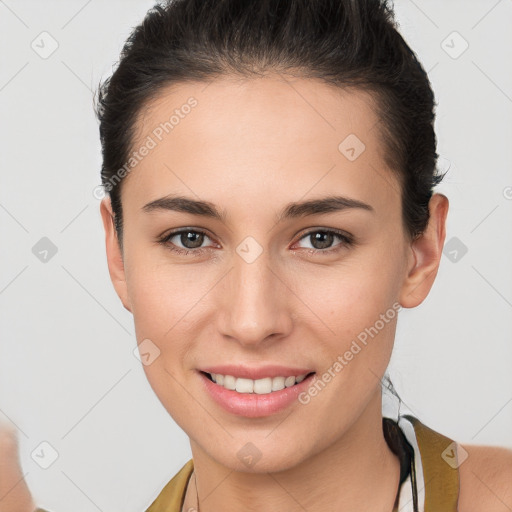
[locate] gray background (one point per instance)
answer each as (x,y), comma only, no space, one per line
(68,375)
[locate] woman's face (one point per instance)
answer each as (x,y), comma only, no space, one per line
(270,282)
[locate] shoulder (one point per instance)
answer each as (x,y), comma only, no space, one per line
(485,478)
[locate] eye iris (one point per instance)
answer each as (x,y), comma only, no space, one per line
(191,236)
(318,236)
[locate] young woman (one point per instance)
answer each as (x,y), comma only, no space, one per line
(270,167)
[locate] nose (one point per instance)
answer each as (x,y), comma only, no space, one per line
(257,307)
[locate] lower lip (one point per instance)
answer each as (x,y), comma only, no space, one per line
(254,405)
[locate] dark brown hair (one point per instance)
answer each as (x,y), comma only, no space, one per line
(345,43)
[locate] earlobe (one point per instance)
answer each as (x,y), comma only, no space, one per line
(114,256)
(426,252)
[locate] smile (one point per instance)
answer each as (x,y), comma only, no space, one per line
(254,398)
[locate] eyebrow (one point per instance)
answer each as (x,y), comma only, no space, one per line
(290,211)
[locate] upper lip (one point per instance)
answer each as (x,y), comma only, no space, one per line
(258,372)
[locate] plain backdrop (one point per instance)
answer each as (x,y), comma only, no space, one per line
(68,376)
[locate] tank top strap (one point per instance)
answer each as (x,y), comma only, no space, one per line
(172,495)
(440,473)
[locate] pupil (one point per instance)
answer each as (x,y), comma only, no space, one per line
(318,237)
(189,237)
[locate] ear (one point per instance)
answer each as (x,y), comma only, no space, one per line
(114,254)
(425,252)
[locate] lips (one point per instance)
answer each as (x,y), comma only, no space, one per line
(257,404)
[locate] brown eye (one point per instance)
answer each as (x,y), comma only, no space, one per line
(191,239)
(321,240)
(185,241)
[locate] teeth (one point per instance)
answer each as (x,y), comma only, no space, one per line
(229,381)
(278,383)
(244,385)
(289,381)
(260,386)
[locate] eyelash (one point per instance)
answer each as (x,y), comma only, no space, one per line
(347,241)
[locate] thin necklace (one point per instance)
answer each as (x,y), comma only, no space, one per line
(196,508)
(395,507)
(197,495)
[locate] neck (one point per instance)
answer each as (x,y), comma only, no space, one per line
(357,472)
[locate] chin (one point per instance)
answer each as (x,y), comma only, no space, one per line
(263,457)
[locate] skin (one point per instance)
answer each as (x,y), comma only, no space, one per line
(250,148)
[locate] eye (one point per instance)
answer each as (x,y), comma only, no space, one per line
(322,239)
(191,240)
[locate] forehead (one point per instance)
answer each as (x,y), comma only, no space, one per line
(275,136)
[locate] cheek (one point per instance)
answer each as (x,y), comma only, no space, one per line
(353,297)
(168,309)
(150,299)
(356,309)
(160,308)
(162,295)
